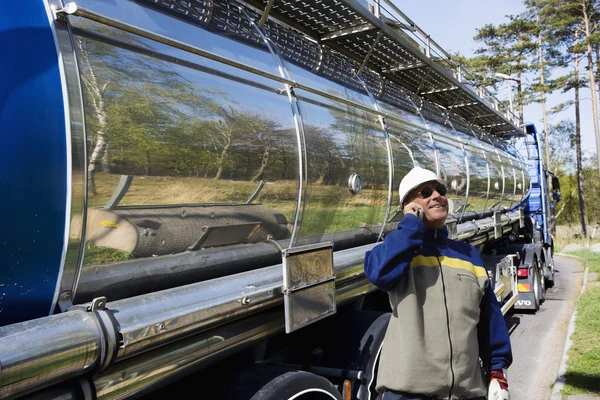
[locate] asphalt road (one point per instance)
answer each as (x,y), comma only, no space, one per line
(538,339)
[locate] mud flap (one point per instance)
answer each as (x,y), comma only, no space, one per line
(526,301)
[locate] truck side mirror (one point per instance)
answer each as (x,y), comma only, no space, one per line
(556,196)
(555,189)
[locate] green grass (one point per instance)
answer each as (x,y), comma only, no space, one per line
(583,364)
(567,234)
(590,260)
(100,255)
(328,219)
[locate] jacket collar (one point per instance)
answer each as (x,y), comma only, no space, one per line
(436,236)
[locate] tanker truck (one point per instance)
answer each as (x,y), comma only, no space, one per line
(189,189)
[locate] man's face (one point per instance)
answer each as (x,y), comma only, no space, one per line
(435,207)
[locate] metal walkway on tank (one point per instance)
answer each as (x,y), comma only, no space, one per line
(381,38)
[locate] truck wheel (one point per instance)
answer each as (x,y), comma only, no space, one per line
(536,286)
(549,278)
(542,281)
(371,344)
(298,385)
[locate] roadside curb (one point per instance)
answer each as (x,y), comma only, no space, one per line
(559,384)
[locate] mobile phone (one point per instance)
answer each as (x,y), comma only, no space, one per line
(420,213)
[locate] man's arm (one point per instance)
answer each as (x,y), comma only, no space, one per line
(388,261)
(494,345)
(494,341)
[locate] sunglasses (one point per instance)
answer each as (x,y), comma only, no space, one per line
(427,192)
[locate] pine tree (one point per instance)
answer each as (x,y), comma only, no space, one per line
(564,34)
(507,49)
(577,18)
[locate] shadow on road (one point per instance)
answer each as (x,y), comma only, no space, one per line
(586,382)
(512,321)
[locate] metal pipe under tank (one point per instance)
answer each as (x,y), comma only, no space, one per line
(125,279)
(167,364)
(142,323)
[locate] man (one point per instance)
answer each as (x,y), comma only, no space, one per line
(445,316)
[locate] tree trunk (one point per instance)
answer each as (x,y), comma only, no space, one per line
(578,152)
(597,50)
(97,154)
(147,162)
(586,20)
(97,102)
(263,164)
(519,91)
(542,82)
(106,159)
(226,132)
(221,161)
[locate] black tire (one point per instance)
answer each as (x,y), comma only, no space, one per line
(550,278)
(370,348)
(542,281)
(298,385)
(536,286)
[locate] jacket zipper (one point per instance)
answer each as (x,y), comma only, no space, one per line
(447,323)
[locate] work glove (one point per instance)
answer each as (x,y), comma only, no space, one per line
(498,388)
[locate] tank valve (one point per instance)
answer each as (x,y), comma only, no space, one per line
(354,183)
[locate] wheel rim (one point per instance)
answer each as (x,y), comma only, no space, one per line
(543,283)
(536,283)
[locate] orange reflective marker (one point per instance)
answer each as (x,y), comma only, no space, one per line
(524,287)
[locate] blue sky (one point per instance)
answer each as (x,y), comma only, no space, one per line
(452,24)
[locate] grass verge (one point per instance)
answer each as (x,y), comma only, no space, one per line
(100,255)
(583,363)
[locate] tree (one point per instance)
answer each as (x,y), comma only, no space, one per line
(573,82)
(573,21)
(507,49)
(548,57)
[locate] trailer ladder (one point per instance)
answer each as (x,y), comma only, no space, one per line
(381,38)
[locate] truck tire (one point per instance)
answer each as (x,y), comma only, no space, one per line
(542,281)
(298,385)
(536,286)
(371,344)
(549,278)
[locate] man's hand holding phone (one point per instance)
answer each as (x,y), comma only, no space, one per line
(413,208)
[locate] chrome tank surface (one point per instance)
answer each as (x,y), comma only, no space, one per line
(264,126)
(178,148)
(205,127)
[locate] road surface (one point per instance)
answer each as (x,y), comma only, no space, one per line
(538,339)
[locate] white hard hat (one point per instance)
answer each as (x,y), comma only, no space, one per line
(414,178)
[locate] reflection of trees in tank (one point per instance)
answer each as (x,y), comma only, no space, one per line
(403,156)
(417,142)
(495,181)
(363,146)
(123,112)
(247,138)
(286,148)
(478,187)
(453,167)
(323,154)
(155,121)
(422,142)
(362,142)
